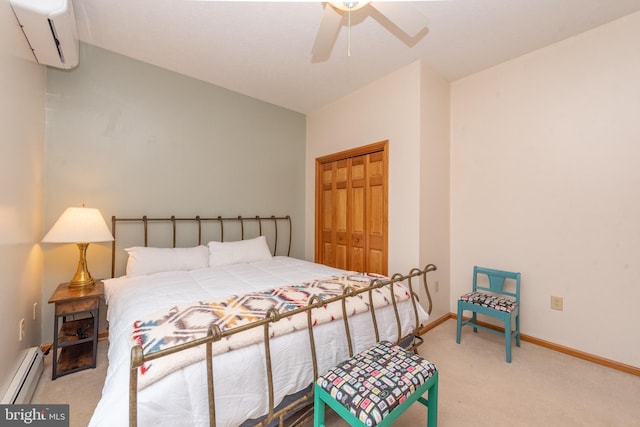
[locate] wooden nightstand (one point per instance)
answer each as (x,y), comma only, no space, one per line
(75,340)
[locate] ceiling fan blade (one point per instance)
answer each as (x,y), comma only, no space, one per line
(327,33)
(403,15)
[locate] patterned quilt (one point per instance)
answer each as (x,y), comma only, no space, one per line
(183,323)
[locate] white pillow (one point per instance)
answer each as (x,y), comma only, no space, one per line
(146,260)
(250,250)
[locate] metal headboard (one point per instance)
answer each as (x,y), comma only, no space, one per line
(278,222)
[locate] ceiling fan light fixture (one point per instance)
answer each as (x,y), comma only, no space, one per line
(349,5)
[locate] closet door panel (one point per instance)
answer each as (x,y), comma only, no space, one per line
(357,211)
(341,214)
(376,263)
(326,255)
(376,215)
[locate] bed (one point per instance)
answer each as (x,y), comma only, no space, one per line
(264,380)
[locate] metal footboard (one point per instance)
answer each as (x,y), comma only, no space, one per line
(279,415)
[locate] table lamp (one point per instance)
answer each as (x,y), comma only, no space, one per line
(80,226)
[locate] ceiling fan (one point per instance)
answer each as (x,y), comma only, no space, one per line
(401,14)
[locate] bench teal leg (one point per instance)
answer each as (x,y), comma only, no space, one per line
(432,404)
(318,410)
(459,323)
(474,316)
(507,337)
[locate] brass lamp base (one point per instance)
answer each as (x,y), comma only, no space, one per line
(82,278)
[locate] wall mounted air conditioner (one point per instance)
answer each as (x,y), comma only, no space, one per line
(50,27)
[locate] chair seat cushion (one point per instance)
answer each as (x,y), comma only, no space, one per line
(372,383)
(492,301)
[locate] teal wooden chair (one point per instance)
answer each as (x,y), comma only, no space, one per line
(374,387)
(492,299)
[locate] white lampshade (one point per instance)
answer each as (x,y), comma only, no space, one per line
(79,225)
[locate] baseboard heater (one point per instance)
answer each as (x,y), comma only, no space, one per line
(26,379)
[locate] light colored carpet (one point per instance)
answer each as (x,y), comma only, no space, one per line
(540,387)
(80,390)
(477,387)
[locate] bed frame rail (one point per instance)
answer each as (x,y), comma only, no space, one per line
(299,407)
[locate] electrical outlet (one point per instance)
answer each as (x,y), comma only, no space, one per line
(556,303)
(437,286)
(35,310)
(21,330)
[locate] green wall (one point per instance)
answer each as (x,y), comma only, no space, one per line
(131,139)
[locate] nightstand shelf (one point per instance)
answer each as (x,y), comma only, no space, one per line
(75,339)
(72,331)
(75,358)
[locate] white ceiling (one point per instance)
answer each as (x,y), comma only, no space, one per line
(263,49)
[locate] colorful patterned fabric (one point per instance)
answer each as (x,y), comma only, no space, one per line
(185,323)
(491,301)
(374,382)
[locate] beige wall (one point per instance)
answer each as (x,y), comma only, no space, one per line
(389,109)
(545,180)
(133,139)
(434,185)
(22,97)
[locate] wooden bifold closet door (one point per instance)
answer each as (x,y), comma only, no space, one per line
(351,209)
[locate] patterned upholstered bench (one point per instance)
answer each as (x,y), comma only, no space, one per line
(374,387)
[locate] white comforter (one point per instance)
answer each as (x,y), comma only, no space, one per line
(241,390)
